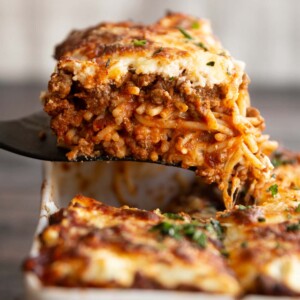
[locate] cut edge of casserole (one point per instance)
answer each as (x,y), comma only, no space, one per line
(166,91)
(261,238)
(90,244)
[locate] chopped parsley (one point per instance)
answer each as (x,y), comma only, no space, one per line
(177,231)
(244,244)
(201,45)
(189,229)
(192,231)
(107,63)
(217,228)
(173,216)
(200,238)
(139,42)
(261,219)
(273,189)
(157,51)
(189,37)
(166,228)
(225,253)
(210,63)
(293,227)
(296,188)
(278,160)
(297,209)
(196,25)
(243,207)
(185,33)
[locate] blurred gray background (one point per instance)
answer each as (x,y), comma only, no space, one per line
(263,33)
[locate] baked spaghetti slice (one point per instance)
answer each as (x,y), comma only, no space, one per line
(166,91)
(90,244)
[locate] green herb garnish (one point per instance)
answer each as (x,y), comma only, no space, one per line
(189,229)
(177,231)
(192,231)
(261,219)
(196,25)
(200,238)
(297,209)
(278,160)
(242,207)
(244,244)
(189,37)
(185,33)
(210,63)
(225,253)
(139,42)
(217,228)
(201,45)
(293,227)
(173,216)
(107,63)
(166,228)
(157,51)
(273,189)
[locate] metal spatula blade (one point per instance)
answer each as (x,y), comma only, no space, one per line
(31,136)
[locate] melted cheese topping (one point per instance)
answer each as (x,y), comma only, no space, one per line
(173,47)
(264,240)
(98,245)
(92,244)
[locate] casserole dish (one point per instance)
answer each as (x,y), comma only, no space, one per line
(63,181)
(145,186)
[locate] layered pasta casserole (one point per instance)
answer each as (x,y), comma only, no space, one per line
(170,92)
(193,244)
(163,92)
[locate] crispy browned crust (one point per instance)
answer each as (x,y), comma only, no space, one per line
(69,247)
(260,242)
(93,43)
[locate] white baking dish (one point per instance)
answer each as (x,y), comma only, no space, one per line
(146,185)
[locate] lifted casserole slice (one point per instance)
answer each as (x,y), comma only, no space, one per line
(166,91)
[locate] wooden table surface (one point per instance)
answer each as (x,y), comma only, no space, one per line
(20,178)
